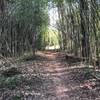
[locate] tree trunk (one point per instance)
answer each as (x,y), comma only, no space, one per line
(84,28)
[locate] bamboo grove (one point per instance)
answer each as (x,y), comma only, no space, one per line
(79,23)
(22,23)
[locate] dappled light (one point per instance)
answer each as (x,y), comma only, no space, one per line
(49,77)
(49,49)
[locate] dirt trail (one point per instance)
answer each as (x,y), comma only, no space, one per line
(67,79)
(61,81)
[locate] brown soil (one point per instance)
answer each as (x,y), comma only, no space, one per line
(51,77)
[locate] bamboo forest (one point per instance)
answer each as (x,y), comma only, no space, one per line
(49,49)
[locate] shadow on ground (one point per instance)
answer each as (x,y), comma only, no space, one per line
(49,77)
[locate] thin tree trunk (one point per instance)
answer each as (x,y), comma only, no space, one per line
(84,29)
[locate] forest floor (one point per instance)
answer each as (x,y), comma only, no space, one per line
(49,77)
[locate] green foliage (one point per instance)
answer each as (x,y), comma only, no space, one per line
(10,81)
(49,38)
(28,56)
(16,97)
(70,1)
(27,20)
(58,2)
